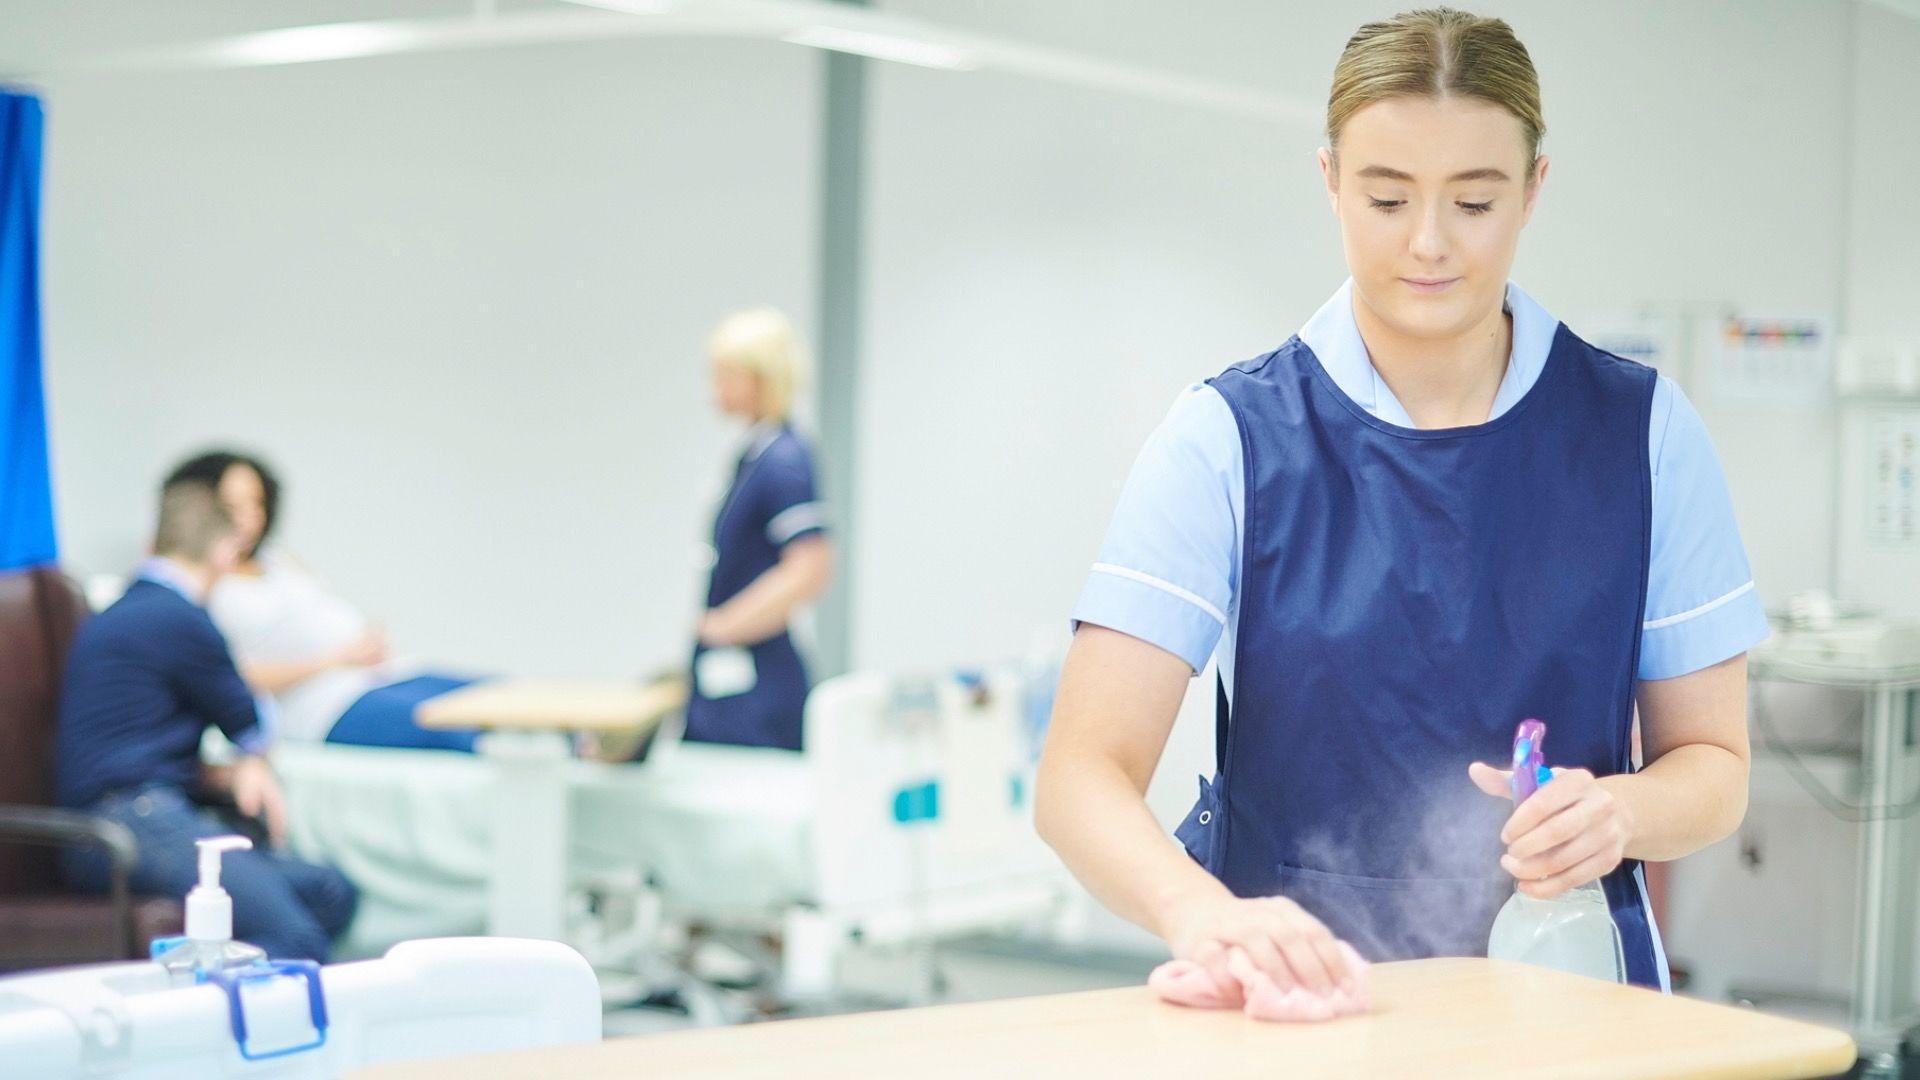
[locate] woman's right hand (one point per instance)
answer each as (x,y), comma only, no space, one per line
(1233,937)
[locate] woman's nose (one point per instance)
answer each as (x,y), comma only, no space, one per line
(1429,241)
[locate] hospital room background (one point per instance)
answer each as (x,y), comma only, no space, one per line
(452,270)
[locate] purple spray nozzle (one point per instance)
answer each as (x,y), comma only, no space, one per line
(1529,761)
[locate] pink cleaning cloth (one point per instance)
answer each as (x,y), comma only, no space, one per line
(1184,982)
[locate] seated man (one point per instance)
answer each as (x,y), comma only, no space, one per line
(145,679)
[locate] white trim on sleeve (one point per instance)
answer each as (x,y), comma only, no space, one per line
(1655,624)
(1164,586)
(795,520)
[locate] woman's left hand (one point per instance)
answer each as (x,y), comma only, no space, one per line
(1571,831)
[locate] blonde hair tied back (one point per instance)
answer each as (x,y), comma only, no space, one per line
(1433,53)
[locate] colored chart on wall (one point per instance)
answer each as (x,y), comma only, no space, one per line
(1773,360)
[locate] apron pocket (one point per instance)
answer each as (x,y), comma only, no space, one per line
(1400,918)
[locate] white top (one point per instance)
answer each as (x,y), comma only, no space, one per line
(286,615)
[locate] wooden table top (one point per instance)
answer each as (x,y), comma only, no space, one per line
(1449,1017)
(554,705)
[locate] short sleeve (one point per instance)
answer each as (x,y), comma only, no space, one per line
(1702,607)
(1166,571)
(787,498)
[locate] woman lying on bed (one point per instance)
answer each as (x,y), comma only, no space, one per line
(327,668)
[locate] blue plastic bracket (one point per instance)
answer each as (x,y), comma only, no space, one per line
(232,980)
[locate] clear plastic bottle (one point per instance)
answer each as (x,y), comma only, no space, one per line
(208,945)
(1573,932)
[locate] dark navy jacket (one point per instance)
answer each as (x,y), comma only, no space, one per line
(144,680)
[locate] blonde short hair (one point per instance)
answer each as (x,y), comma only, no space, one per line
(1432,53)
(763,341)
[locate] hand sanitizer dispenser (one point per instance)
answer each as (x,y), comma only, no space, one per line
(208,945)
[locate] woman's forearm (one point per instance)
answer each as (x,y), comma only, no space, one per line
(1692,796)
(764,607)
(1114,708)
(1098,823)
(1693,792)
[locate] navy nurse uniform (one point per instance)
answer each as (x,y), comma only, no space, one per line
(756,695)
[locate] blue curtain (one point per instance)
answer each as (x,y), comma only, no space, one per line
(26,489)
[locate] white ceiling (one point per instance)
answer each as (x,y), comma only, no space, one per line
(50,40)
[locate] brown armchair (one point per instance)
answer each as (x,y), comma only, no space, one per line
(42,924)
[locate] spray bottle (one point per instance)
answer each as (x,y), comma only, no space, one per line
(1573,932)
(208,946)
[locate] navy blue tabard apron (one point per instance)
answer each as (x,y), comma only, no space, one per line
(1406,598)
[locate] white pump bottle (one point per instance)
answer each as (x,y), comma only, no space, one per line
(209,945)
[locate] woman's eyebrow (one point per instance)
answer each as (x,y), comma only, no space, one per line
(1382,172)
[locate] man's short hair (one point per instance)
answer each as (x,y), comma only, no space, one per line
(191,521)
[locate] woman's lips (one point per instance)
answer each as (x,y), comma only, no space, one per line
(1430,285)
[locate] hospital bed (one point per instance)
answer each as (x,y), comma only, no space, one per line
(906,822)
